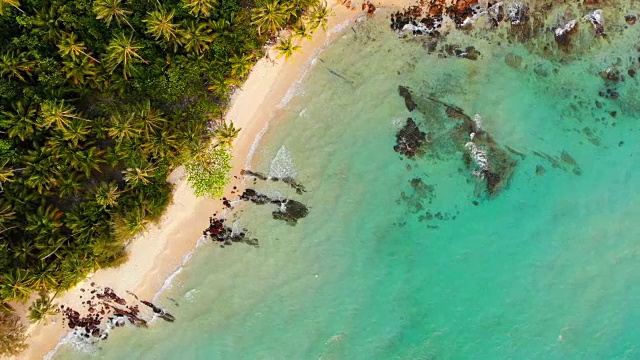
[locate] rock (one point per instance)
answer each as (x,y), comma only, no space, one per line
(513,60)
(563,33)
(406,94)
(290,212)
(631,19)
(410,139)
(540,170)
(597,20)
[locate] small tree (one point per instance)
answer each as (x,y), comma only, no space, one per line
(208,171)
(41,308)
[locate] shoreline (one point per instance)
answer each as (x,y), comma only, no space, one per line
(159,253)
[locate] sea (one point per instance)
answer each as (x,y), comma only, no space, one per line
(412,257)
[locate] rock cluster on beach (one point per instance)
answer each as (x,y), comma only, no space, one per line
(106,310)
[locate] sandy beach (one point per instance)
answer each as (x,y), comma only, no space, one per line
(159,252)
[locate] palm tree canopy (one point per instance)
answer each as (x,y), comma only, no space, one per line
(123,50)
(201,8)
(160,25)
(272,16)
(109,10)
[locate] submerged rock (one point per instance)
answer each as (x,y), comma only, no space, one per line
(406,94)
(631,19)
(290,212)
(409,139)
(513,60)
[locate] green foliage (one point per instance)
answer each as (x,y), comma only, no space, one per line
(41,308)
(99,101)
(208,172)
(12,334)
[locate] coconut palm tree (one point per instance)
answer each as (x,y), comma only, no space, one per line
(149,120)
(196,37)
(6,173)
(287,48)
(41,308)
(49,20)
(4,3)
(57,114)
(20,122)
(272,16)
(226,133)
(123,127)
(14,66)
(76,132)
(301,31)
(78,71)
(160,25)
(70,184)
(70,46)
(123,50)
(15,285)
(319,16)
(241,65)
(200,8)
(107,194)
(87,160)
(109,10)
(45,223)
(138,175)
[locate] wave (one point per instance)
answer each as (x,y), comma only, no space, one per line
(282,165)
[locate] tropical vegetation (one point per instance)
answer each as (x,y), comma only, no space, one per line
(99,101)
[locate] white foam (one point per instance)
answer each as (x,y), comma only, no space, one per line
(282,165)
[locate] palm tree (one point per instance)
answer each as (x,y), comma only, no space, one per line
(41,308)
(76,131)
(241,65)
(199,7)
(19,122)
(287,48)
(107,194)
(14,3)
(111,10)
(6,173)
(123,127)
(70,184)
(123,50)
(226,133)
(45,223)
(15,284)
(160,25)
(57,113)
(78,71)
(13,66)
(50,21)
(70,46)
(301,31)
(319,16)
(149,119)
(24,251)
(136,175)
(272,16)
(196,37)
(87,160)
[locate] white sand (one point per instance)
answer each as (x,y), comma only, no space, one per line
(157,253)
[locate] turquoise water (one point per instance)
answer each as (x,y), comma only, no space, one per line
(547,269)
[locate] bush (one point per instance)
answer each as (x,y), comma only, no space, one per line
(208,172)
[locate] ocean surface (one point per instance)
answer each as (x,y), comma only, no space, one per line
(411,258)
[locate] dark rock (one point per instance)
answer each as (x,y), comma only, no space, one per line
(631,19)
(406,94)
(513,60)
(410,139)
(291,212)
(631,72)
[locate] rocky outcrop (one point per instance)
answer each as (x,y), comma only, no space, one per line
(410,140)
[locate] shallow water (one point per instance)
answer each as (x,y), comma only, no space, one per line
(547,269)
